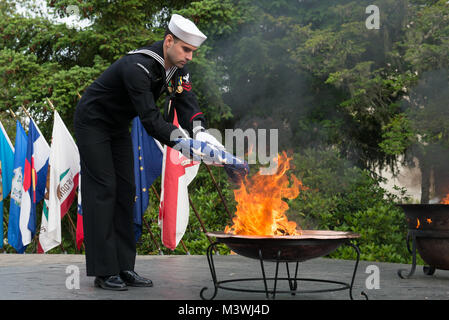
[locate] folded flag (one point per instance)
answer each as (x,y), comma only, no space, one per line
(236,168)
(14,234)
(6,172)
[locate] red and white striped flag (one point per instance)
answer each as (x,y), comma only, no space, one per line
(177,173)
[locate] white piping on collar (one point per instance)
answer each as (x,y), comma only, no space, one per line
(159,59)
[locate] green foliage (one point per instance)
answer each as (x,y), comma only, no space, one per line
(397,135)
(426,39)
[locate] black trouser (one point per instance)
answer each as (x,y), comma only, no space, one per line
(108,189)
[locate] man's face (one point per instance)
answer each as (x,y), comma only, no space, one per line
(178,52)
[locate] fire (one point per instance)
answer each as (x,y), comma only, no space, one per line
(260,208)
(445,200)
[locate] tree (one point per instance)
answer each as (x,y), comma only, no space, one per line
(42,59)
(422,51)
(354,70)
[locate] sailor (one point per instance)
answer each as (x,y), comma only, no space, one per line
(130,87)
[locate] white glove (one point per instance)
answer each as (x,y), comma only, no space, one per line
(206,137)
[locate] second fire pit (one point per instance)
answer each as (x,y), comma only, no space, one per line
(428,231)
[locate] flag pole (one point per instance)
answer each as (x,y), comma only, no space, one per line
(185,248)
(152,236)
(13,114)
(219,191)
(73,227)
(26,111)
(151,233)
(199,219)
(51,105)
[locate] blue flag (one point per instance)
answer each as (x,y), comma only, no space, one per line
(6,172)
(147,168)
(14,235)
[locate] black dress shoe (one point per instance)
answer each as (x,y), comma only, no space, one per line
(134,280)
(110,283)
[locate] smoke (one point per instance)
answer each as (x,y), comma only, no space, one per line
(268,86)
(427,107)
(265,89)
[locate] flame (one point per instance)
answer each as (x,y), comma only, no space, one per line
(445,200)
(418,223)
(260,208)
(429,221)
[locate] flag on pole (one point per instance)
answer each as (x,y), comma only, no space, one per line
(6,172)
(61,183)
(79,218)
(14,234)
(34,181)
(177,173)
(147,168)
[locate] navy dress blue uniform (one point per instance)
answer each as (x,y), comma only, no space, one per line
(128,88)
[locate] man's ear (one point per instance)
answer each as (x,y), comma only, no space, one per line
(169,40)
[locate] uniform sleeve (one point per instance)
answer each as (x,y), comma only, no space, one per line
(137,81)
(189,113)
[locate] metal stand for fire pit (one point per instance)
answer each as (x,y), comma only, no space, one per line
(428,232)
(413,235)
(292,279)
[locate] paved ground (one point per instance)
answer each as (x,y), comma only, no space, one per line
(36,277)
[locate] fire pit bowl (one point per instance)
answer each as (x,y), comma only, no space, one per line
(310,244)
(428,229)
(282,249)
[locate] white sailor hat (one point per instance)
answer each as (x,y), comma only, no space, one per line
(186,30)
